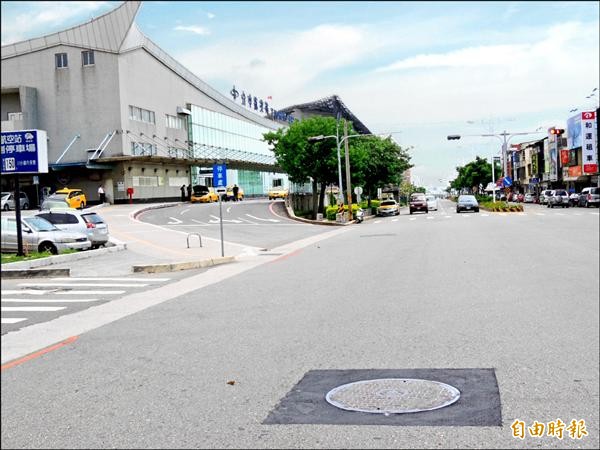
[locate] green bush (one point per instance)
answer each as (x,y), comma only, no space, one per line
(331,211)
(501,207)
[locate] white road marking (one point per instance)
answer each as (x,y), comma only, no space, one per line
(229,209)
(430,218)
(248,221)
(521,214)
(51,300)
(394,220)
(13,319)
(23,292)
(85,284)
(502,214)
(412,218)
(89,292)
(559,214)
(265,220)
(540,214)
(595,214)
(216,220)
(199,222)
(485,215)
(448,217)
(377,221)
(174,221)
(31,308)
(107,279)
(184,211)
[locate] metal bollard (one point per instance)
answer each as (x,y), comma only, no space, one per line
(194,234)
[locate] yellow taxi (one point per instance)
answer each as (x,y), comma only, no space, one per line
(278,192)
(203,194)
(388,208)
(74,197)
(229,193)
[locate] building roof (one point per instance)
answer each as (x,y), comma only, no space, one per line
(116,32)
(329,106)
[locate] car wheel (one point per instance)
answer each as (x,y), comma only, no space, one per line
(457,211)
(476,209)
(47,247)
(25,205)
(411,211)
(6,208)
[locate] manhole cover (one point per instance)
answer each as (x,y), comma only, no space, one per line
(393,395)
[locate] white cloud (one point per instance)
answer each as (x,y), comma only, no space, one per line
(45,15)
(193,29)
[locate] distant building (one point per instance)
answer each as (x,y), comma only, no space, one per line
(121,112)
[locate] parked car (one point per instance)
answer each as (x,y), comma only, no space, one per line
(467,203)
(75,197)
(574,199)
(8,201)
(229,194)
(278,192)
(529,198)
(544,196)
(87,223)
(417,202)
(203,194)
(388,208)
(558,197)
(432,203)
(40,235)
(55,201)
(589,196)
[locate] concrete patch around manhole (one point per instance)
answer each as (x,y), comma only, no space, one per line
(393,396)
(478,403)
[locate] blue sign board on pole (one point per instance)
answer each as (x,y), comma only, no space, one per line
(219,175)
(24,151)
(507,181)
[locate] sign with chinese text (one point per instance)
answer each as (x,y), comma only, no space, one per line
(589,143)
(575,171)
(564,157)
(24,151)
(534,164)
(219,175)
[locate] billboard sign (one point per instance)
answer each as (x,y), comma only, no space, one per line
(574,131)
(589,144)
(553,156)
(24,151)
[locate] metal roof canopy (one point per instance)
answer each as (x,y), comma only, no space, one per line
(330,106)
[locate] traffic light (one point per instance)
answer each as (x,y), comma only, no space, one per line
(557,131)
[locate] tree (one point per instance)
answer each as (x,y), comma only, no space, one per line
(303,160)
(376,162)
(474,176)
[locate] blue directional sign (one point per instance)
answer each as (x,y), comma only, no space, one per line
(24,151)
(507,182)
(219,175)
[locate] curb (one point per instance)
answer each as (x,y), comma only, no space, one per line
(137,212)
(160,268)
(35,273)
(59,259)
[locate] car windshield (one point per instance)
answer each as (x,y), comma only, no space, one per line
(466,198)
(417,197)
(92,218)
(595,191)
(561,193)
(200,190)
(430,198)
(57,197)
(388,203)
(39,224)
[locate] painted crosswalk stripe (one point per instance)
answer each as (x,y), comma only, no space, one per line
(377,221)
(595,214)
(49,300)
(430,218)
(31,308)
(485,215)
(23,292)
(447,217)
(502,214)
(8,320)
(89,292)
(413,218)
(85,284)
(394,220)
(107,279)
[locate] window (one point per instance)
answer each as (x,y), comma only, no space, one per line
(59,218)
(87,57)
(143,149)
(141,115)
(174,122)
(61,60)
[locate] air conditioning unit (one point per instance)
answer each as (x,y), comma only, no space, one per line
(181,110)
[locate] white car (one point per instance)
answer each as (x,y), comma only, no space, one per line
(87,223)
(432,203)
(8,201)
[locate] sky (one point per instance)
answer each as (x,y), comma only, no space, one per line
(422,70)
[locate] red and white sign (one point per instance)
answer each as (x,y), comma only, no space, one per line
(589,142)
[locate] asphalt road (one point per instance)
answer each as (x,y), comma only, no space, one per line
(515,292)
(258,223)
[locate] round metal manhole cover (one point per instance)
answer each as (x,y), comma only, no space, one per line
(393,396)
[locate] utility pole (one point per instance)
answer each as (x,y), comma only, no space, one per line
(348,186)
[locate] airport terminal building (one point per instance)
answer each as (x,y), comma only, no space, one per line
(120,112)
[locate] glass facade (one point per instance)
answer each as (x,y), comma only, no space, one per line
(218,136)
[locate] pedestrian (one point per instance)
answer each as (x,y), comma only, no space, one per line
(182,189)
(235,192)
(189,192)
(101,194)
